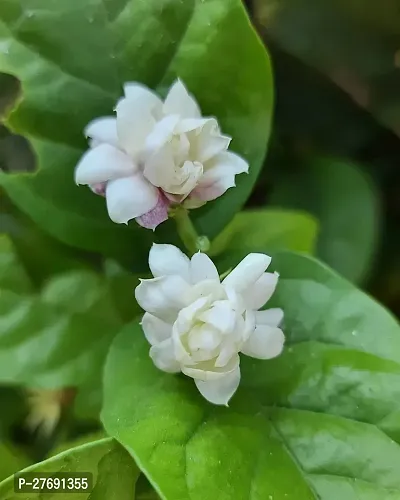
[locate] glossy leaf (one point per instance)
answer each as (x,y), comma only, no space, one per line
(82,53)
(265,230)
(59,337)
(311,424)
(346,203)
(355,43)
(114,473)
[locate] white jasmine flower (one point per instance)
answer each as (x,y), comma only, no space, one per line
(197,325)
(155,153)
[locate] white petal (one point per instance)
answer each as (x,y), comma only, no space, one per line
(261,291)
(220,315)
(166,260)
(163,297)
(266,342)
(163,357)
(161,133)
(103,163)
(271,317)
(103,130)
(219,175)
(220,391)
(134,123)
(208,141)
(159,168)
(202,268)
(130,197)
(134,90)
(180,102)
(155,330)
(247,272)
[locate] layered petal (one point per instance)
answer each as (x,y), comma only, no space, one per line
(103,130)
(155,330)
(103,163)
(168,260)
(161,133)
(207,142)
(134,123)
(130,197)
(163,357)
(247,272)
(261,291)
(219,175)
(271,317)
(266,342)
(180,102)
(137,91)
(163,297)
(220,391)
(202,268)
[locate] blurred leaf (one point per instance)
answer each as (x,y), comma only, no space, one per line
(315,422)
(11,460)
(82,440)
(12,274)
(355,43)
(265,230)
(13,410)
(60,337)
(9,89)
(114,473)
(346,203)
(70,87)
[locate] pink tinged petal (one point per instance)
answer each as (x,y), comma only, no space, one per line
(163,357)
(103,130)
(220,391)
(99,189)
(102,164)
(247,272)
(266,342)
(134,123)
(271,317)
(159,214)
(163,297)
(137,91)
(261,291)
(202,268)
(180,102)
(155,330)
(130,197)
(168,260)
(219,175)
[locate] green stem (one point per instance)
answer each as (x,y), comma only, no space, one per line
(187,232)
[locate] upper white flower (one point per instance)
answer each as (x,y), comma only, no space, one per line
(198,325)
(155,153)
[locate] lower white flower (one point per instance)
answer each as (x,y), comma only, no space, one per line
(197,324)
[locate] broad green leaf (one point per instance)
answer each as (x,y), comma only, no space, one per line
(59,337)
(82,51)
(265,230)
(346,203)
(309,424)
(12,274)
(80,441)
(114,473)
(11,460)
(355,43)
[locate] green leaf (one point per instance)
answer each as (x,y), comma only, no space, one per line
(310,424)
(151,42)
(11,460)
(59,337)
(354,43)
(114,473)
(346,203)
(265,230)
(12,274)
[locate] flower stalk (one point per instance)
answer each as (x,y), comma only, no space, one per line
(187,232)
